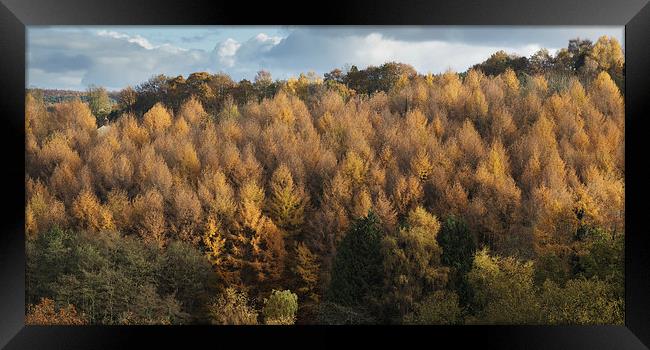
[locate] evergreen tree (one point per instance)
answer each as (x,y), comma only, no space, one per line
(458,247)
(357,274)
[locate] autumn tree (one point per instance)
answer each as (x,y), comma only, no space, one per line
(157,119)
(127,99)
(149,217)
(412,265)
(503,290)
(46,313)
(43,211)
(232,308)
(496,206)
(287,201)
(90,214)
(307,271)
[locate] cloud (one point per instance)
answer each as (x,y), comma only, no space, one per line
(301,52)
(70,80)
(107,58)
(77,57)
(61,62)
(226,51)
(545,36)
(137,39)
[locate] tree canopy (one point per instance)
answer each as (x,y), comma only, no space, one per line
(367,195)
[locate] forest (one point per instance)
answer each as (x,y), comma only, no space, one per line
(365,196)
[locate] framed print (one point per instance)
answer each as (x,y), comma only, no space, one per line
(363,173)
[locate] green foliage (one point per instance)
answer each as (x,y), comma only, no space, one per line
(441,307)
(374,79)
(186,273)
(334,314)
(49,255)
(500,61)
(581,57)
(458,248)
(357,272)
(114,279)
(505,294)
(280,308)
(601,255)
(581,301)
(99,102)
(503,290)
(232,308)
(550,266)
(230,111)
(116,284)
(412,262)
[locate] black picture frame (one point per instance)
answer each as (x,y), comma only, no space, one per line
(15,15)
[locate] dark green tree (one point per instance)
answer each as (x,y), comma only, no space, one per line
(412,265)
(357,273)
(458,248)
(49,255)
(500,61)
(601,255)
(187,274)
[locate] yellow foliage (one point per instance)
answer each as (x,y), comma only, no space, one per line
(157,119)
(181,128)
(421,165)
(511,81)
(606,96)
(539,84)
(287,202)
(43,211)
(149,218)
(420,218)
(354,167)
(74,114)
(297,167)
(607,52)
(90,214)
(362,203)
(132,131)
(192,111)
(188,159)
(214,241)
(307,269)
(251,198)
(451,88)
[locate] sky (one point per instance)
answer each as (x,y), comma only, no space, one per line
(65,57)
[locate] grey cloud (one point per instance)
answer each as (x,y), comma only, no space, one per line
(323,48)
(544,36)
(105,60)
(61,62)
(114,61)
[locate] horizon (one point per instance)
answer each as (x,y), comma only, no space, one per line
(114,57)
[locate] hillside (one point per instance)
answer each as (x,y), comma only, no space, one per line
(380,195)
